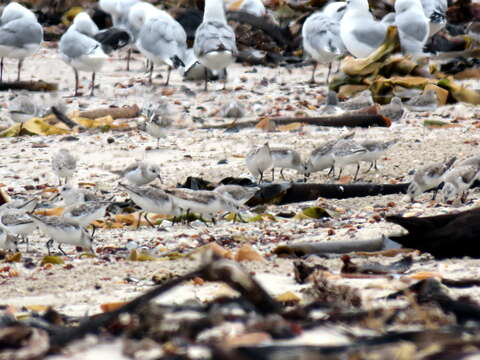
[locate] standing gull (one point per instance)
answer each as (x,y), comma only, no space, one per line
(412,26)
(20,35)
(360,32)
(321,39)
(214,44)
(80,50)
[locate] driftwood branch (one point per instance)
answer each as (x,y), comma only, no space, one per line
(348,120)
(28,85)
(124,112)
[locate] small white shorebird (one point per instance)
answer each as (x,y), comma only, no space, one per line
(412,26)
(119,10)
(139,173)
(214,44)
(158,118)
(394,110)
(360,32)
(63,231)
(203,202)
(18,223)
(161,38)
(284,158)
(427,101)
(63,165)
(237,193)
(72,195)
(151,200)
(322,41)
(22,108)
(80,50)
(20,35)
(7,240)
(85,213)
(457,182)
(375,150)
(428,177)
(346,152)
(259,160)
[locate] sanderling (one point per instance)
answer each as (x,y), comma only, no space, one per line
(284,158)
(321,157)
(20,34)
(152,199)
(22,108)
(25,206)
(18,223)
(457,181)
(436,12)
(375,150)
(258,160)
(360,100)
(237,193)
(471,161)
(360,32)
(158,117)
(346,152)
(428,177)
(161,39)
(85,213)
(80,50)
(118,10)
(203,202)
(139,173)
(321,40)
(63,165)
(394,111)
(214,44)
(7,241)
(72,195)
(412,26)
(423,102)
(63,231)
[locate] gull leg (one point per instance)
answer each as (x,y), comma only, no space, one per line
(19,68)
(327,81)
(129,54)
(312,80)
(225,80)
(356,172)
(261,176)
(206,79)
(92,84)
(1,70)
(49,243)
(168,75)
(76,82)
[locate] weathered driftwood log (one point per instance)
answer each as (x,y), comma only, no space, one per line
(28,85)
(124,112)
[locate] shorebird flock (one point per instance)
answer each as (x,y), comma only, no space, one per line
(340,28)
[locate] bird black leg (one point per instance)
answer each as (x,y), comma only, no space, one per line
(1,70)
(261,177)
(281,174)
(94,228)
(49,243)
(92,84)
(225,80)
(331,171)
(327,81)
(371,165)
(168,75)
(339,174)
(375,166)
(273,174)
(139,218)
(206,79)
(435,193)
(19,68)
(76,82)
(129,54)
(158,143)
(312,80)
(356,172)
(150,73)
(148,220)
(61,250)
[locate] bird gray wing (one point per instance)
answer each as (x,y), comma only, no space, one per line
(163,38)
(21,32)
(213,36)
(373,36)
(74,44)
(412,27)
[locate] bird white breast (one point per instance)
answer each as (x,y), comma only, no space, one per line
(18,53)
(217,60)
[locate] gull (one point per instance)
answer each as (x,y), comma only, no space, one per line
(161,38)
(119,10)
(457,181)
(335,10)
(360,32)
(64,165)
(214,44)
(80,50)
(253,7)
(284,158)
(140,173)
(436,12)
(321,40)
(20,35)
(258,160)
(428,177)
(63,231)
(412,26)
